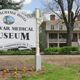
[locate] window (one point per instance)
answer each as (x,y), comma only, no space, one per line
(60,27)
(62,44)
(52,35)
(75,37)
(52,44)
(52,27)
(62,36)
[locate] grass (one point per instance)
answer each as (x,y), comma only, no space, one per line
(67,72)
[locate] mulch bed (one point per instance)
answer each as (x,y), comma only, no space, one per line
(19,74)
(12,63)
(18,62)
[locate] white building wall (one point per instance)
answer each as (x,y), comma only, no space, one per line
(45,34)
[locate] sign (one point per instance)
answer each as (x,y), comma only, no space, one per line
(16,31)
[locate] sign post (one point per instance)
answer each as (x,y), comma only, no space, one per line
(37,56)
(17,31)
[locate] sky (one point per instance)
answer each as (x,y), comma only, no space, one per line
(30,5)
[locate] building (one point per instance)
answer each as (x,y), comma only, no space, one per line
(54,33)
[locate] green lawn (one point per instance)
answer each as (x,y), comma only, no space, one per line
(66,72)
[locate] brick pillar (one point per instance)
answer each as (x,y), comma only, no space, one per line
(52,17)
(78,18)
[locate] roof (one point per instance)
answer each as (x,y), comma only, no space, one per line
(55,22)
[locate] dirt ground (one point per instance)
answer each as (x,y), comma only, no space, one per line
(61,59)
(20,61)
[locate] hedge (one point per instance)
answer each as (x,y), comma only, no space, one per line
(51,50)
(18,52)
(61,50)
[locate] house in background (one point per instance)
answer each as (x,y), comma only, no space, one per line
(54,33)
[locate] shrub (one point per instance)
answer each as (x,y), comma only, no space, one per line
(48,50)
(67,49)
(16,52)
(56,49)
(3,52)
(74,48)
(51,50)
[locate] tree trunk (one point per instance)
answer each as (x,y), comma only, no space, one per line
(69,36)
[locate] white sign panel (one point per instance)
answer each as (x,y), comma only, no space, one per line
(16,31)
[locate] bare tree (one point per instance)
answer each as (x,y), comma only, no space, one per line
(62,6)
